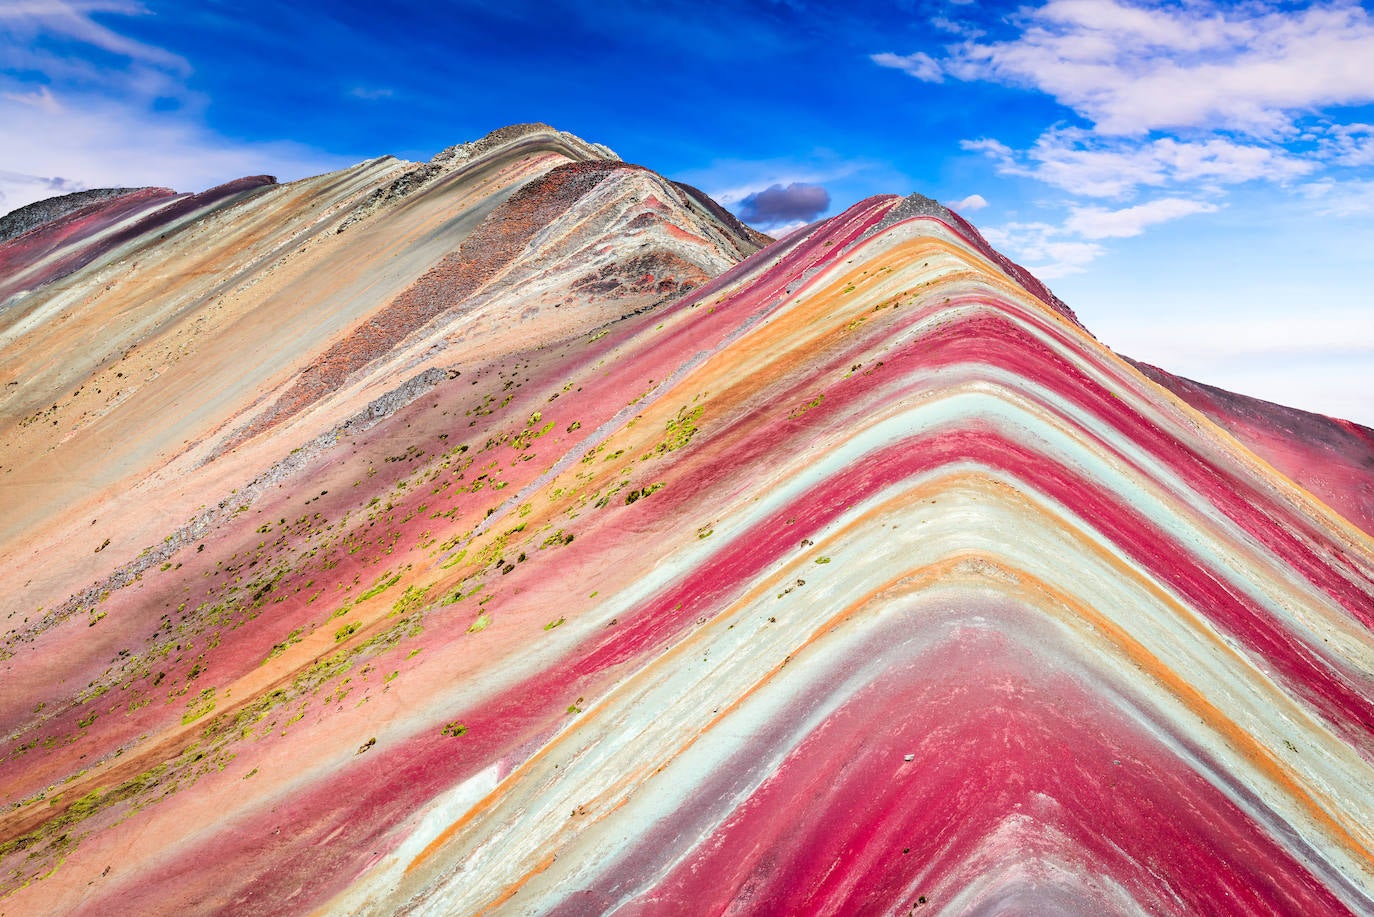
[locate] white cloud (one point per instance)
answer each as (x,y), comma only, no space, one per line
(1133,68)
(1187,100)
(920,65)
(1051,251)
(84,125)
(24,20)
(91,143)
(41,99)
(1348,144)
(994,148)
(1350,198)
(1043,248)
(1194,93)
(1099,223)
(1081,163)
(972,202)
(955,27)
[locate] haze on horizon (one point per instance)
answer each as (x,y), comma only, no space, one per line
(1195,179)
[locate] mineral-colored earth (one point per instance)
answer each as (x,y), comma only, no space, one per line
(519,533)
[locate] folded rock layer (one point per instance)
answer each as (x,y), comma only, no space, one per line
(508,534)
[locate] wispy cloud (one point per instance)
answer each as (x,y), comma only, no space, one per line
(1099,223)
(85,106)
(41,98)
(1044,248)
(1179,102)
(1353,197)
(1133,68)
(1083,163)
(89,143)
(956,27)
(920,65)
(1052,251)
(25,20)
(1175,94)
(1348,144)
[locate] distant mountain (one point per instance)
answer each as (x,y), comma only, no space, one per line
(519,532)
(17,222)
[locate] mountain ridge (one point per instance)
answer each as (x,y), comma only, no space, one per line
(615,564)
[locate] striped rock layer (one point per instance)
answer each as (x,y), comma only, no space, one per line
(507,535)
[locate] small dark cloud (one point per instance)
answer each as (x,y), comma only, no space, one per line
(798,201)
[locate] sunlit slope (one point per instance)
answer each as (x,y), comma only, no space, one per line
(127,375)
(559,247)
(859,579)
(921,515)
(199,318)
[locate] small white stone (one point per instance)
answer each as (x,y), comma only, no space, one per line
(911,757)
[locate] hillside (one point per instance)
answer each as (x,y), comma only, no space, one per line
(519,532)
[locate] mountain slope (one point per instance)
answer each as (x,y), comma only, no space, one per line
(548,574)
(1331,458)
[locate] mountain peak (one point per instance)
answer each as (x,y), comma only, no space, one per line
(535,132)
(31,216)
(422,535)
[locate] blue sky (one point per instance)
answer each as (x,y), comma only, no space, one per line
(1195,178)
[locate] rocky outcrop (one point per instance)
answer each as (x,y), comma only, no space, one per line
(70,242)
(515,139)
(17,222)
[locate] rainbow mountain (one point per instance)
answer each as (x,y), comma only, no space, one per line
(518,532)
